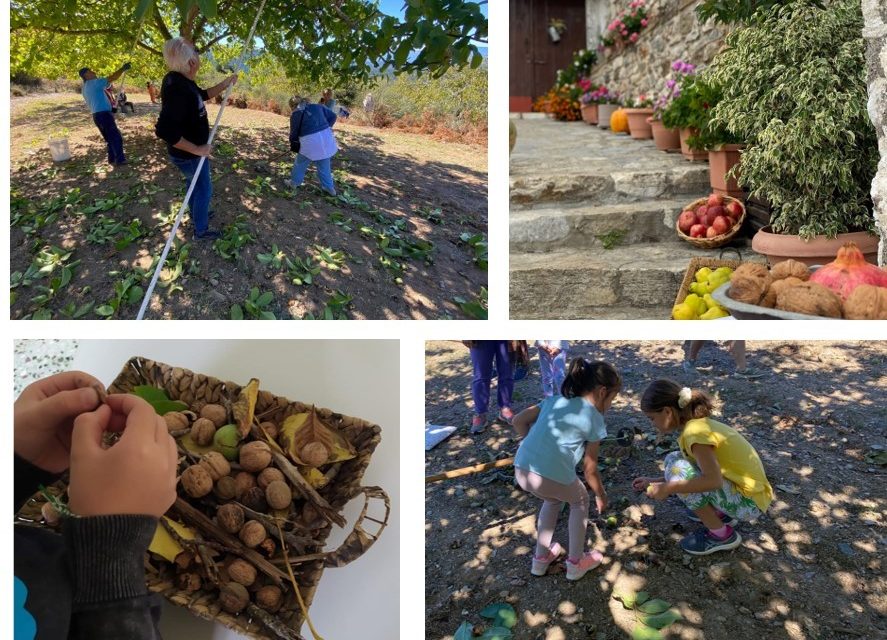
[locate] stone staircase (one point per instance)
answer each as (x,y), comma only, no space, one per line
(592,224)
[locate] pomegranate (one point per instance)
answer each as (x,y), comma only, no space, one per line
(848,270)
(716,210)
(711,232)
(734,210)
(697,231)
(701,211)
(722,224)
(686,221)
(715,200)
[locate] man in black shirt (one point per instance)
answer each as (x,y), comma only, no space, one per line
(185,128)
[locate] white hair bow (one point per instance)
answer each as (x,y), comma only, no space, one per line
(684,397)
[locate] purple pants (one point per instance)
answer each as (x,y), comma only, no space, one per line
(482,356)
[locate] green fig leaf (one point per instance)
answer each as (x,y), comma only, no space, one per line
(643,632)
(497,633)
(502,614)
(662,620)
(654,606)
(464,631)
(158,399)
(642,597)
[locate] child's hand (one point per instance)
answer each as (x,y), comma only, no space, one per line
(554,352)
(640,484)
(601,503)
(137,475)
(44,417)
(658,490)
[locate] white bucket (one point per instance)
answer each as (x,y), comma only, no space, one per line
(58,147)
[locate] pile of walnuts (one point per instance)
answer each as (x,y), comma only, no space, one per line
(785,287)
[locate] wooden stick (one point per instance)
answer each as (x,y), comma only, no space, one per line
(299,542)
(467,471)
(212,570)
(273,624)
(305,488)
(194,516)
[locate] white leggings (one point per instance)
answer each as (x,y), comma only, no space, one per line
(554,494)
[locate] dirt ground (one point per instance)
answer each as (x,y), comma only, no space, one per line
(392,238)
(812,569)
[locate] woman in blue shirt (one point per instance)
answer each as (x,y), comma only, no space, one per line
(558,434)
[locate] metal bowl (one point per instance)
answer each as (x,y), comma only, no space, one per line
(743,311)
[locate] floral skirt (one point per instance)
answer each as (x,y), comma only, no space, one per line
(726,499)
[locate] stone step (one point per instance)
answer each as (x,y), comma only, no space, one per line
(609,313)
(551,228)
(572,284)
(556,162)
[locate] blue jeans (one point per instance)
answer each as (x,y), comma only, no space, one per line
(482,356)
(203,191)
(104,120)
(324,172)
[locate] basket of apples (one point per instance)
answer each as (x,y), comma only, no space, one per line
(709,223)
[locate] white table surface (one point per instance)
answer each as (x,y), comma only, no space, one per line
(354,377)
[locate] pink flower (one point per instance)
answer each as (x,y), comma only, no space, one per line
(634,37)
(644,22)
(624,32)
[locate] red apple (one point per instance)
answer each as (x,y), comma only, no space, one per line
(686,220)
(701,211)
(709,219)
(716,211)
(711,232)
(715,200)
(697,231)
(734,209)
(722,224)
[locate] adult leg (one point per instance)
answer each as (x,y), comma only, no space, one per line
(198,203)
(545,371)
(559,371)
(104,121)
(737,349)
(505,383)
(482,363)
(325,175)
(300,166)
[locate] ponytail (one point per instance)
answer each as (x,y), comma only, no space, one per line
(663,394)
(583,377)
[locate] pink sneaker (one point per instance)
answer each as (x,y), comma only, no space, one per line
(478,422)
(540,565)
(506,414)
(586,563)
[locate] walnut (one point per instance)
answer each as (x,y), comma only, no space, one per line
(790,269)
(867,302)
(233,597)
(271,429)
(252,534)
(242,572)
(176,420)
(254,499)
(255,456)
(197,481)
(188,582)
(230,517)
(225,488)
(202,431)
(310,515)
(810,298)
(215,464)
(778,287)
(749,283)
(314,454)
(269,598)
(269,475)
(267,547)
(215,412)
(243,482)
(279,495)
(184,559)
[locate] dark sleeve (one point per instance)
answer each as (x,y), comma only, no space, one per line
(28,479)
(177,100)
(105,559)
(294,126)
(329,115)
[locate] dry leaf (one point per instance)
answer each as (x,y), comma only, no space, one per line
(164,544)
(314,477)
(188,444)
(245,407)
(304,428)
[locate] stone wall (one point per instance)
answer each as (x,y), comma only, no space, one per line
(875,33)
(673,32)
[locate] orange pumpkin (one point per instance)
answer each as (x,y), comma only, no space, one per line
(619,121)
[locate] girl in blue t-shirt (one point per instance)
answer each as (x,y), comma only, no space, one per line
(558,434)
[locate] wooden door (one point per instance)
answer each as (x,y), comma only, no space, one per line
(534,59)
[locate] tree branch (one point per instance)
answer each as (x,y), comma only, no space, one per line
(161,25)
(187,29)
(214,40)
(148,47)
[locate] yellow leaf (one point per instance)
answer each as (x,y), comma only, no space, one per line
(314,477)
(245,407)
(305,428)
(164,544)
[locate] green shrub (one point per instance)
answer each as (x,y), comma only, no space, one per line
(794,88)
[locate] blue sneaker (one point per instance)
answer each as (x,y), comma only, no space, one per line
(726,519)
(703,543)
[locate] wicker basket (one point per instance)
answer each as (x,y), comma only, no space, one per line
(717,241)
(695,265)
(196,390)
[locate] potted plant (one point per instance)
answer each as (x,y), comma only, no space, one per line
(688,113)
(800,105)
(608,102)
(667,139)
(639,112)
(626,27)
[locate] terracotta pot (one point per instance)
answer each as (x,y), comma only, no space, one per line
(604,111)
(821,250)
(665,139)
(691,154)
(720,162)
(638,123)
(589,113)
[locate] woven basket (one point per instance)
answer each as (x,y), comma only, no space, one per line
(717,241)
(197,390)
(695,265)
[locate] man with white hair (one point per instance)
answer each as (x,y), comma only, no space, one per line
(94,93)
(184,126)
